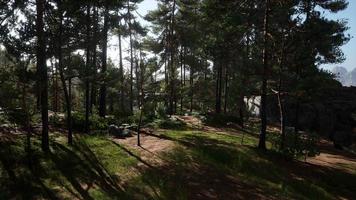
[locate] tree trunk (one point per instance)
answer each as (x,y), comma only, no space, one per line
(172,69)
(218,88)
(102,105)
(93,96)
(263,112)
(131,57)
(87,70)
(121,73)
(191,89)
(226,90)
(28,148)
(182,62)
(41,64)
(64,85)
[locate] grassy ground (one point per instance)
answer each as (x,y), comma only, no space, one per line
(200,165)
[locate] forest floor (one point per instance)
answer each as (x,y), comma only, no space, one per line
(196,162)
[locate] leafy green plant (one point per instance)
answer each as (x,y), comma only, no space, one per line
(95,122)
(171,124)
(56,121)
(221,119)
(296,145)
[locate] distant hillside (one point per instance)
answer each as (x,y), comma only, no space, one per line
(344,76)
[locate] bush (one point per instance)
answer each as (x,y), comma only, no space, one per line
(55,121)
(95,122)
(17,116)
(161,112)
(171,124)
(296,146)
(4,119)
(221,119)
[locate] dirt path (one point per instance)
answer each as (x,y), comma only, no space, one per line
(333,158)
(150,149)
(329,156)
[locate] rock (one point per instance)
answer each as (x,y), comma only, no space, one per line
(115,130)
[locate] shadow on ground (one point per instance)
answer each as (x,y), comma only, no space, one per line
(199,167)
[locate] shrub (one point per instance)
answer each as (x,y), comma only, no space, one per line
(95,122)
(296,146)
(171,124)
(221,119)
(161,112)
(17,116)
(55,121)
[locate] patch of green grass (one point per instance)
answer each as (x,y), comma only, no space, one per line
(268,170)
(91,169)
(200,163)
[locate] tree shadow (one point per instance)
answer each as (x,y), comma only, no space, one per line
(20,179)
(299,180)
(64,171)
(88,171)
(133,155)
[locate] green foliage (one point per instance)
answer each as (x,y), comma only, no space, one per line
(171,124)
(95,122)
(4,119)
(17,116)
(56,121)
(221,119)
(296,145)
(161,112)
(91,160)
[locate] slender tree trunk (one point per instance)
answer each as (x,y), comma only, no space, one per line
(191,89)
(281,112)
(226,90)
(137,76)
(55,88)
(41,64)
(64,85)
(280,100)
(172,68)
(166,79)
(87,70)
(182,60)
(102,108)
(28,148)
(131,57)
(93,96)
(141,106)
(263,111)
(218,87)
(121,73)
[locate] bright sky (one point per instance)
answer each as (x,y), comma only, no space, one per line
(349,49)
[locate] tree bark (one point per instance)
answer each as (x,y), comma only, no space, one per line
(121,73)
(263,111)
(226,90)
(131,57)
(41,65)
(93,96)
(218,87)
(172,70)
(102,105)
(182,60)
(191,89)
(87,70)
(64,85)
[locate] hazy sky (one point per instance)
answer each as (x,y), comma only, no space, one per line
(349,49)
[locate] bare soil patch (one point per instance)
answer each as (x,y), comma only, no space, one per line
(150,149)
(334,158)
